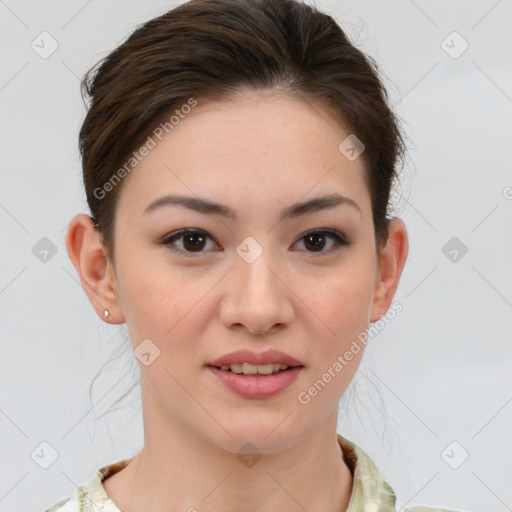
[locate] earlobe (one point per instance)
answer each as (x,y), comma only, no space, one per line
(87,254)
(391,263)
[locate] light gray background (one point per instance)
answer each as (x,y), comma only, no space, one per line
(439,372)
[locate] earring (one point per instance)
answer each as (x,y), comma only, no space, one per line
(105,313)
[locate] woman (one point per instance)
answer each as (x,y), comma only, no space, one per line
(238,158)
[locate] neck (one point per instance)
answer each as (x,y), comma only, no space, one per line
(180,470)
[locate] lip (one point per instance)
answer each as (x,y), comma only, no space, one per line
(249,386)
(248,356)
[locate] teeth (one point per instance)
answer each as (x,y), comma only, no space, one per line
(253,369)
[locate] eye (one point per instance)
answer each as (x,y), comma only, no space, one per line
(190,241)
(316,240)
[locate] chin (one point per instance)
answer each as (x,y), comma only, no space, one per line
(255,436)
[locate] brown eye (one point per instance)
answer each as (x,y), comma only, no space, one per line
(190,241)
(316,241)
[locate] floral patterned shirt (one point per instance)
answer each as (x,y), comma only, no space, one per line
(370,493)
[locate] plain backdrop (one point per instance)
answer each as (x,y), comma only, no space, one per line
(432,401)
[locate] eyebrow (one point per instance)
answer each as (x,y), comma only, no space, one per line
(208,207)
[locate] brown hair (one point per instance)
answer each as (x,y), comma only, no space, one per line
(212,49)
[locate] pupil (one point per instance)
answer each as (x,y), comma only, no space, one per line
(315,238)
(191,245)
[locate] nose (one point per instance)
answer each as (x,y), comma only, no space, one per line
(256,297)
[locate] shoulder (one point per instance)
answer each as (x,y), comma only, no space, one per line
(81,498)
(92,496)
(369,487)
(65,505)
(430,509)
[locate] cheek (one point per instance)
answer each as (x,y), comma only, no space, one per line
(343,301)
(343,305)
(159,301)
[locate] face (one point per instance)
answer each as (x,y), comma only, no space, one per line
(253,279)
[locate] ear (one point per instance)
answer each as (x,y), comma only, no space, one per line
(390,265)
(96,272)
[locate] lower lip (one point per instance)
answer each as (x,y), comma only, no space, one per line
(250,386)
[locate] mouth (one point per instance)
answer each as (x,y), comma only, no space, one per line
(256,370)
(251,381)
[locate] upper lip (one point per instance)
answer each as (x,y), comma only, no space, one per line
(248,356)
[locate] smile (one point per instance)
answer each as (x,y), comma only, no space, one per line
(255,369)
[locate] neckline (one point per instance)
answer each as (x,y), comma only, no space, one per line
(367,483)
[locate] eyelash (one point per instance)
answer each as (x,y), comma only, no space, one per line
(339,238)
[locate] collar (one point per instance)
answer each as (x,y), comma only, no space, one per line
(369,490)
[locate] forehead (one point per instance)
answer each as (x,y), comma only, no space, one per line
(259,144)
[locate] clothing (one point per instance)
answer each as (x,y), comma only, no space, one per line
(370,493)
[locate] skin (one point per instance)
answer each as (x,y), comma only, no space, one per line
(256,153)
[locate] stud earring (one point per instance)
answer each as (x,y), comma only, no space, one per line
(105,313)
